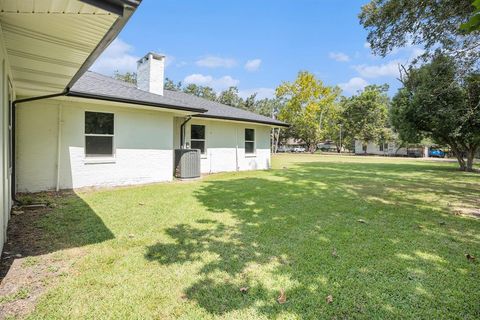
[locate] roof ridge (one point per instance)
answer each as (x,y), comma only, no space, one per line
(99,85)
(131,85)
(216,102)
(121,82)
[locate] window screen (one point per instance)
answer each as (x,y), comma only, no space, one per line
(249,141)
(98,134)
(197,137)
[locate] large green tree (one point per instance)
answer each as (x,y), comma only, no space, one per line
(230,97)
(172,85)
(365,115)
(434,103)
(270,107)
(201,91)
(473,24)
(306,106)
(334,128)
(431,24)
(130,77)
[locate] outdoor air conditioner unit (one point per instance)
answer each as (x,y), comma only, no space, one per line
(187,163)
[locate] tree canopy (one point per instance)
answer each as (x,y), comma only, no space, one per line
(434,103)
(308,104)
(365,115)
(130,77)
(432,24)
(473,24)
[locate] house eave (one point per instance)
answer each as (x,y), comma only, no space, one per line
(111,34)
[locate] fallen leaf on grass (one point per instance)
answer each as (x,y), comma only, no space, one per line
(361,221)
(470,257)
(329,299)
(334,253)
(244,289)
(141,204)
(283,297)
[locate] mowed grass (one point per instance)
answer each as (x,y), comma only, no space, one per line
(184,249)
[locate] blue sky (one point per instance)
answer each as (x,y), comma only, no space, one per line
(254,45)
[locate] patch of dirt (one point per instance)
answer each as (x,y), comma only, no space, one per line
(27,267)
(463,211)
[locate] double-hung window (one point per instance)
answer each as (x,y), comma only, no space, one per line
(250,141)
(197,138)
(99,129)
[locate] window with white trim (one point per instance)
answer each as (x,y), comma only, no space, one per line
(99,134)
(249,141)
(197,137)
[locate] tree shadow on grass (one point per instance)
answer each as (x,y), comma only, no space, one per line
(68,222)
(286,224)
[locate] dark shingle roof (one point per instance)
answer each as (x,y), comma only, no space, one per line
(96,86)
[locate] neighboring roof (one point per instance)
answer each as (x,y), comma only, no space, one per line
(96,86)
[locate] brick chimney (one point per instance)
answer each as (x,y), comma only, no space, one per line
(150,73)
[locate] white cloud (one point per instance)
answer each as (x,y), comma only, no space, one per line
(339,56)
(353,85)
(366,45)
(118,56)
(253,65)
(389,69)
(181,64)
(216,62)
(218,84)
(262,93)
(415,52)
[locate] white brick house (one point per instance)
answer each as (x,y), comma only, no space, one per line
(63,127)
(105,132)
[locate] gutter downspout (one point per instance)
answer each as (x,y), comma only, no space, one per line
(182,132)
(236,150)
(59,143)
(14,136)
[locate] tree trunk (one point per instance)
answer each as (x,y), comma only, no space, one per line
(470,157)
(277,141)
(459,156)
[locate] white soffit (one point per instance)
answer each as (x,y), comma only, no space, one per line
(48,41)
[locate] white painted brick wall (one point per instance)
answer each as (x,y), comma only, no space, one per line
(222,139)
(143,141)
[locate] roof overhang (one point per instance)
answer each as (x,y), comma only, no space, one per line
(51,43)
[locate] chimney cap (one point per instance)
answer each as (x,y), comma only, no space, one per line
(154,55)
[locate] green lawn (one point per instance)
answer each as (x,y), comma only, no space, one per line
(184,249)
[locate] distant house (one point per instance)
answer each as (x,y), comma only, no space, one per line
(390,149)
(63,127)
